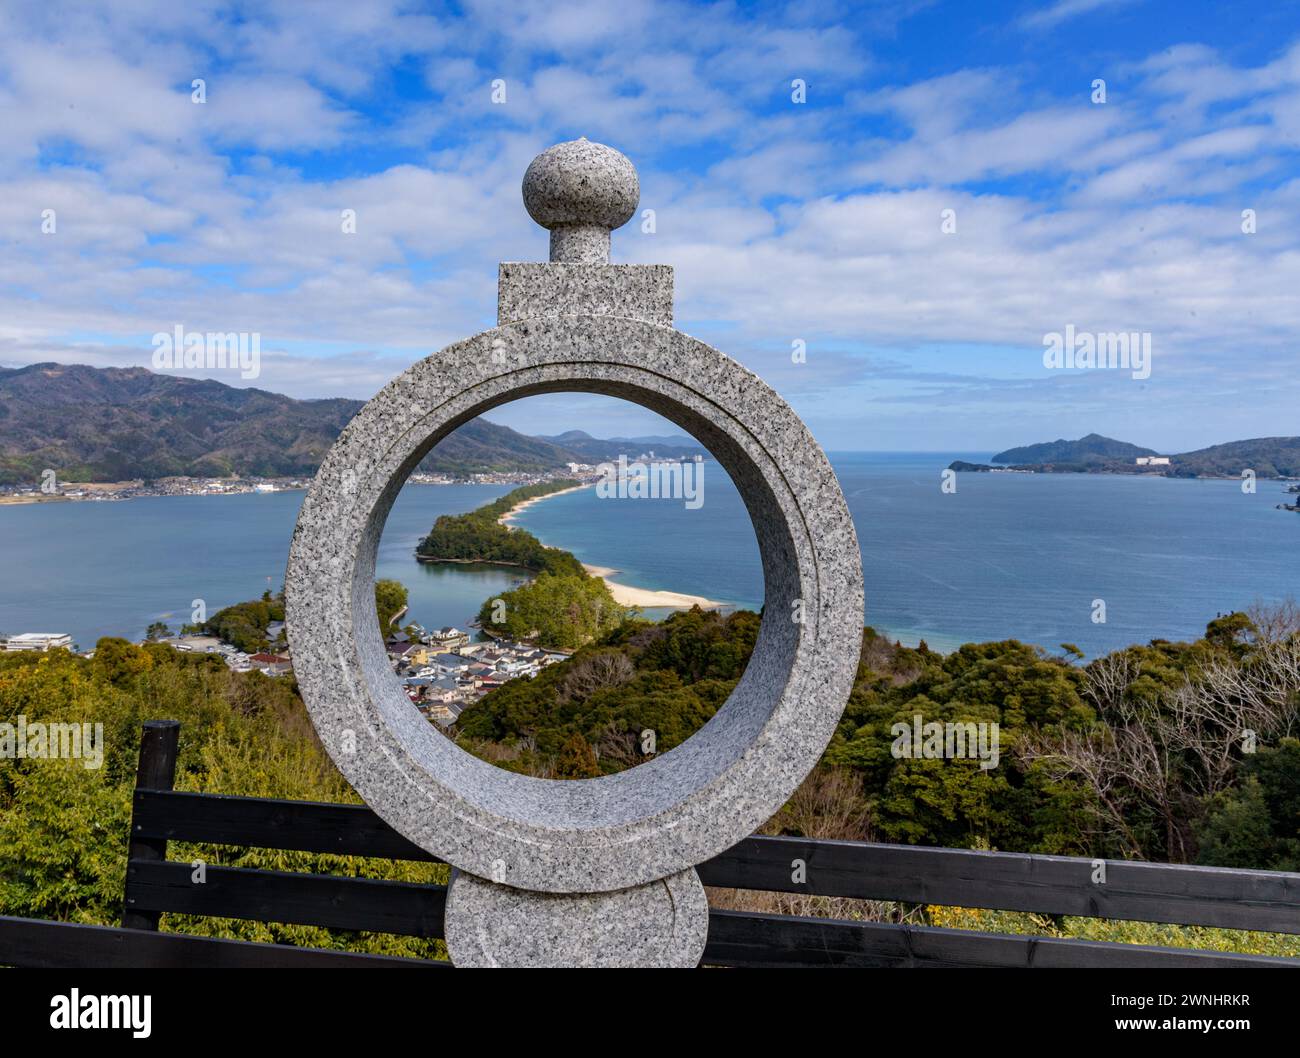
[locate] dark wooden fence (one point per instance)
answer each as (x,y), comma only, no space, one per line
(1052,885)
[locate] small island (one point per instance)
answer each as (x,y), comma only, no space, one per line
(481,536)
(1266,457)
(562,607)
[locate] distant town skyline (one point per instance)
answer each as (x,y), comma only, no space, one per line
(884,230)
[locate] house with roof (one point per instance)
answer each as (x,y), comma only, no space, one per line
(444,714)
(270,664)
(450,664)
(445,690)
(449,638)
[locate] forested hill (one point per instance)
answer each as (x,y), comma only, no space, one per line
(118,424)
(1267,457)
(1090,449)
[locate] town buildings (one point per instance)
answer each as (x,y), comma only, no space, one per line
(442,682)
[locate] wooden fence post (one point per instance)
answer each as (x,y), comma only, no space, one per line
(156,771)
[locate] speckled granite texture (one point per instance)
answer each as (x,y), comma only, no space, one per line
(676,810)
(527,291)
(662,924)
(579,190)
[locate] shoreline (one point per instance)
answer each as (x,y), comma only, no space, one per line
(110,496)
(624,594)
(509,515)
(649,598)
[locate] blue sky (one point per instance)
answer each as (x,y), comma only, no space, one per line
(819,221)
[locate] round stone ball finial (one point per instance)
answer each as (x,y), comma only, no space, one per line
(580,191)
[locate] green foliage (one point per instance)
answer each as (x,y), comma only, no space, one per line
(669,678)
(577,759)
(390,600)
(1157,934)
(562,611)
(672,677)
(1226,631)
(119,662)
(479,537)
(244,625)
(1257,824)
(64,827)
(1269,457)
(953,801)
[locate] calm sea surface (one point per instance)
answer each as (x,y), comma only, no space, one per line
(1006,555)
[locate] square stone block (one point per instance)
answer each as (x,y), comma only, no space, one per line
(640,292)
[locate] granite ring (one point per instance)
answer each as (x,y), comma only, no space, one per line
(678,809)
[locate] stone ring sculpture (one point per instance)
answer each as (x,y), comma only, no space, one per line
(601,870)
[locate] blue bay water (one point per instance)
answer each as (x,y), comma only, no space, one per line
(112,568)
(1006,555)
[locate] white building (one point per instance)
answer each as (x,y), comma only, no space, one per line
(1153,461)
(39,641)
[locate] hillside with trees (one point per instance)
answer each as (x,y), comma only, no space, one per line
(1139,754)
(1092,449)
(120,424)
(1268,457)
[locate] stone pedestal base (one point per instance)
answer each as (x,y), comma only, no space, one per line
(663,923)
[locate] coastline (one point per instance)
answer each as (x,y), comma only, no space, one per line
(648,598)
(109,494)
(624,594)
(509,515)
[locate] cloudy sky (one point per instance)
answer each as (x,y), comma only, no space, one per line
(819,221)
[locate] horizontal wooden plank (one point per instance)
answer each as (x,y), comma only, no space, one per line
(735,938)
(741,939)
(1055,885)
(294,898)
(66,945)
(305,826)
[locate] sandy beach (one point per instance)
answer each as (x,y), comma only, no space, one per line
(624,594)
(509,516)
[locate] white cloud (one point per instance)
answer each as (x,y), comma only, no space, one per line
(1063,10)
(819,222)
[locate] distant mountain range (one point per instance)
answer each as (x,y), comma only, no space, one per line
(1268,457)
(118,424)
